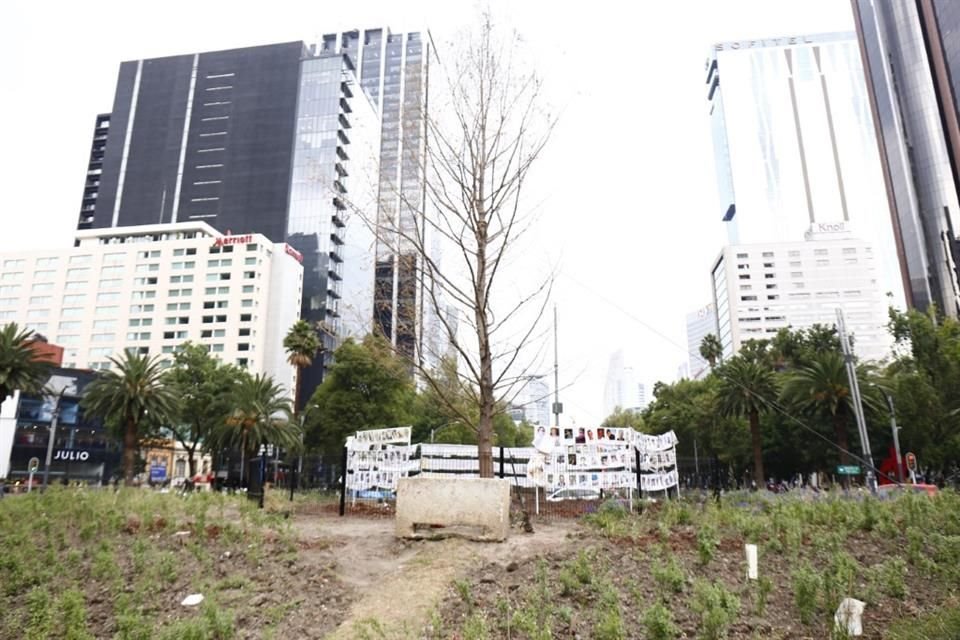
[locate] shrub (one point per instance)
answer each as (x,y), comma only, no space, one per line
(717,608)
(764,589)
(707,544)
(658,623)
(669,576)
(806,586)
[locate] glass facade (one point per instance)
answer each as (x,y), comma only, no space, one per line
(795,145)
(394,75)
(914,149)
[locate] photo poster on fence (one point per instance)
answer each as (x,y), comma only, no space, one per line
(658,462)
(377,458)
(579,458)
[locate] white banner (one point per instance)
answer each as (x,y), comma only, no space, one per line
(396,435)
(662,442)
(377,458)
(658,481)
(658,460)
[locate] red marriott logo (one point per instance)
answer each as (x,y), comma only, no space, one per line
(225,240)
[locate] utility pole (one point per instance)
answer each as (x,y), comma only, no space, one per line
(557,407)
(857,400)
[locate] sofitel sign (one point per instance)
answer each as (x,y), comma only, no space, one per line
(769,42)
(225,240)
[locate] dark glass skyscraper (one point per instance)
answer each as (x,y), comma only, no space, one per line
(251,140)
(911,55)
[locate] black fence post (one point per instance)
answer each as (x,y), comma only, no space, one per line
(639,485)
(343,482)
(501,462)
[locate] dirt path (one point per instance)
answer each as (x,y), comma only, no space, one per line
(397,583)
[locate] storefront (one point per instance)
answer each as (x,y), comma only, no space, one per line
(82,450)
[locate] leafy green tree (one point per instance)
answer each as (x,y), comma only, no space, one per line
(624,419)
(133,394)
(747,386)
(302,345)
(20,368)
(367,387)
(260,415)
(204,388)
(925,378)
(821,389)
(710,349)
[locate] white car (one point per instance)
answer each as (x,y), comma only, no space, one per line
(574,493)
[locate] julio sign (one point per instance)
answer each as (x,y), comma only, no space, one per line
(71,455)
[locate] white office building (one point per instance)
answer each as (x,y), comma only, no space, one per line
(700,323)
(795,145)
(151,288)
(762,288)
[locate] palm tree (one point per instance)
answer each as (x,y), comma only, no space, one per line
(131,393)
(20,366)
(746,388)
(710,349)
(822,387)
(301,344)
(261,415)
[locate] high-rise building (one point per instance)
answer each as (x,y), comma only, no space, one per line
(762,288)
(532,403)
(910,50)
(700,323)
(253,140)
(151,288)
(394,73)
(794,144)
(622,389)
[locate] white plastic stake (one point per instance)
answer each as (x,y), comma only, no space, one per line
(751,550)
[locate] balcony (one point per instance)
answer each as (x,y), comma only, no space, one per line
(338,203)
(339,168)
(335,239)
(346,90)
(335,257)
(338,221)
(342,154)
(333,275)
(333,294)
(342,119)
(345,106)
(342,136)
(339,186)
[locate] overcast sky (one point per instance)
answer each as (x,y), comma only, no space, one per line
(629,199)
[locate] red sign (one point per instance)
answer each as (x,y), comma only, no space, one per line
(225,240)
(293,252)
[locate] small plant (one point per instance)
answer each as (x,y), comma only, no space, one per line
(764,589)
(73,614)
(475,628)
(707,544)
(717,608)
(609,624)
(463,590)
(891,577)
(839,580)
(582,568)
(40,614)
(669,576)
(806,587)
(658,623)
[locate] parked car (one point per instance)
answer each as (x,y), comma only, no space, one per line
(574,493)
(896,489)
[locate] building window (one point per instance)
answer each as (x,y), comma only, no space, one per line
(41,300)
(105,310)
(69,325)
(796,274)
(244,331)
(80,273)
(744,276)
(113,283)
(71,312)
(103,337)
(741,256)
(15,263)
(36,288)
(245,317)
(79,259)
(108,297)
(820,252)
(247,288)
(45,274)
(748,298)
(38,313)
(141,308)
(116,271)
(47,262)
(75,286)
(768,276)
(104,325)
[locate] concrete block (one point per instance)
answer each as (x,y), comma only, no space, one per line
(474,508)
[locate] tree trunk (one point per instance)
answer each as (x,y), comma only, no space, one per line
(758,474)
(840,433)
(243,453)
(191,463)
(129,452)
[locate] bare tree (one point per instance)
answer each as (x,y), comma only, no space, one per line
(483,133)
